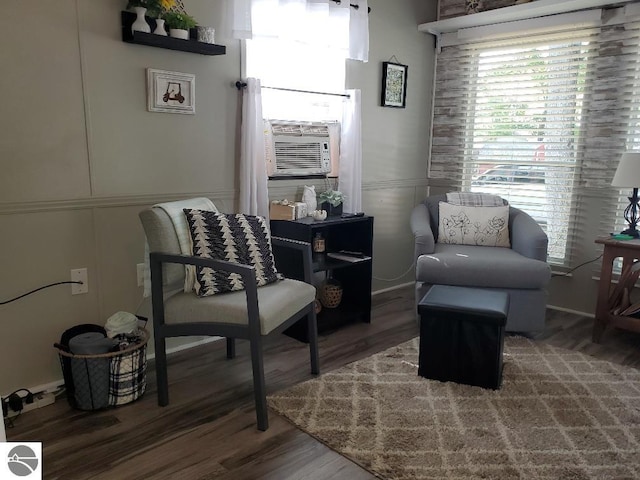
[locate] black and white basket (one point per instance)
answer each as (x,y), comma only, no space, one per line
(94,382)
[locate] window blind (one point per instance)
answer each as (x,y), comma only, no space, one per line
(539,119)
(619,119)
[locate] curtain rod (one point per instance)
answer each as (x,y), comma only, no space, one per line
(352,5)
(240,85)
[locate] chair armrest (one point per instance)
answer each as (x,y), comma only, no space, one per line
(421,228)
(247,272)
(305,248)
(527,237)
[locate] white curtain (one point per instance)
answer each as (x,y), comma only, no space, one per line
(238,19)
(254,197)
(321,23)
(350,172)
(359,32)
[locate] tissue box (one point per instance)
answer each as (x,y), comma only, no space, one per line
(277,211)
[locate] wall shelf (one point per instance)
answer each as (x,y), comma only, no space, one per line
(151,40)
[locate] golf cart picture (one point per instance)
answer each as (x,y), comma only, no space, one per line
(171,93)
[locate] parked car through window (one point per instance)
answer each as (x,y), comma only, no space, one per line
(523,186)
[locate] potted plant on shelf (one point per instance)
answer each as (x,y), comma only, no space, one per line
(331,201)
(179,24)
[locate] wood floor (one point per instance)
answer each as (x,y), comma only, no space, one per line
(208,430)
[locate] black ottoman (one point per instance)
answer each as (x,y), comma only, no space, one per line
(462,334)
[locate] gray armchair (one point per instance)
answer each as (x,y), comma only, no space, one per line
(521,270)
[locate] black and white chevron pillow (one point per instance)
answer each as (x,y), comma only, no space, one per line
(235,238)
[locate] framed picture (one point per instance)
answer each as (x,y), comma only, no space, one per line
(394,85)
(171,92)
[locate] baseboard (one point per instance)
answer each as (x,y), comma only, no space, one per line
(57,384)
(551,307)
(569,310)
(50,387)
(187,346)
(390,289)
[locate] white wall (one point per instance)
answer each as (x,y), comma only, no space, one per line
(80,157)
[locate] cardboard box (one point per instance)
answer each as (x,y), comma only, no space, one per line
(282,212)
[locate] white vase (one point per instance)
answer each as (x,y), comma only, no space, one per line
(140,25)
(309,197)
(179,33)
(160,27)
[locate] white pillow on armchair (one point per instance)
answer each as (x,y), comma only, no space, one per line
(482,226)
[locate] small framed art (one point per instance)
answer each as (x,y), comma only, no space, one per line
(171,92)
(394,85)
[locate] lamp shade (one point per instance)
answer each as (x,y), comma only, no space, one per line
(628,171)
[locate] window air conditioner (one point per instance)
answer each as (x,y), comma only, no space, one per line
(297,148)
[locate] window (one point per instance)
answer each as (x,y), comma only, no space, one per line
(290,70)
(291,65)
(533,98)
(299,47)
(630,92)
(540,119)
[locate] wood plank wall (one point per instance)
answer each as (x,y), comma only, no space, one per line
(456,8)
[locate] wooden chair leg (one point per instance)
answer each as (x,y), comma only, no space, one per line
(259,390)
(312,328)
(162,380)
(231,348)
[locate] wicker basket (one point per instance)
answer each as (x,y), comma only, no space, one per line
(331,294)
(94,382)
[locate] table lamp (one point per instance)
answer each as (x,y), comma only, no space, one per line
(628,175)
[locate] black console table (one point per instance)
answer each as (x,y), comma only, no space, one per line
(354,234)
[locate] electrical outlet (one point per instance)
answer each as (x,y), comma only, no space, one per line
(39,400)
(140,272)
(79,275)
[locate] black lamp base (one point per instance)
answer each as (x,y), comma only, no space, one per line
(632,215)
(631,232)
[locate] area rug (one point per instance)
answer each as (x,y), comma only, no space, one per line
(560,414)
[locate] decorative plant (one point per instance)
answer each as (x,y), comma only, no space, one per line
(334,197)
(180,21)
(155,8)
(167,5)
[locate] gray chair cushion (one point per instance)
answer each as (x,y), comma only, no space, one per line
(466,265)
(278,302)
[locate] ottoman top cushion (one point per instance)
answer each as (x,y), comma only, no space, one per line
(482,304)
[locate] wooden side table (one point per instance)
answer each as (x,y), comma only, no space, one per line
(629,251)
